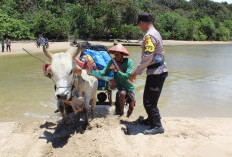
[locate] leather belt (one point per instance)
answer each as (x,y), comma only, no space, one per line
(156,65)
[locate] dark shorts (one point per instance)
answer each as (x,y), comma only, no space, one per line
(130,95)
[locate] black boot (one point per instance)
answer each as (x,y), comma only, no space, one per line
(143,121)
(156,128)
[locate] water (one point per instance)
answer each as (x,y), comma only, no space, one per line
(199,84)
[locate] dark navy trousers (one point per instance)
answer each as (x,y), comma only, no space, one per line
(152,91)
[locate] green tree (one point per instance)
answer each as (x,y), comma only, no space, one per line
(58,29)
(81,23)
(130,16)
(104,19)
(194,31)
(173,26)
(221,13)
(10,8)
(222,33)
(207,27)
(127,32)
(13,28)
(39,21)
(228,24)
(174,4)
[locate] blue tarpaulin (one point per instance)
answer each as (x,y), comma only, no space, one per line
(101,58)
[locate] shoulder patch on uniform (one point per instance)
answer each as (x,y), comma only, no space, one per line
(149,46)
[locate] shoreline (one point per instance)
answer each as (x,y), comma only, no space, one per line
(16,47)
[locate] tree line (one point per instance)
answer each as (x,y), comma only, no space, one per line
(110,19)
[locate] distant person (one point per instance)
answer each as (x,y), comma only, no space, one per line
(74,42)
(46,42)
(125,87)
(38,42)
(3,45)
(8,45)
(152,59)
(42,41)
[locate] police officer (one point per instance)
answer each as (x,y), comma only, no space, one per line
(153,60)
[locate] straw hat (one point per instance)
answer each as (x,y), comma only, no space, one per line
(119,48)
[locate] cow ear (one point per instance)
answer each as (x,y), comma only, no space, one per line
(48,72)
(77,71)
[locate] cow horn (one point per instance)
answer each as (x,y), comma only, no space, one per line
(48,54)
(73,51)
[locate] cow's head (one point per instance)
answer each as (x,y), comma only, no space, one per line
(62,71)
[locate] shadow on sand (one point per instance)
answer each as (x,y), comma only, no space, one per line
(133,128)
(58,134)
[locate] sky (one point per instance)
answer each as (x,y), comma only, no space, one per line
(228,1)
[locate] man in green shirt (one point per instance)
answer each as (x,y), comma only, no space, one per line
(122,68)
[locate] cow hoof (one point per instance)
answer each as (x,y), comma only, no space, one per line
(62,122)
(82,131)
(78,117)
(92,117)
(93,114)
(89,127)
(66,121)
(85,126)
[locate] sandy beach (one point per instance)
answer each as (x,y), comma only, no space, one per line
(109,136)
(188,137)
(17,47)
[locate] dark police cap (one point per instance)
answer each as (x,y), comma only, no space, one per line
(146,17)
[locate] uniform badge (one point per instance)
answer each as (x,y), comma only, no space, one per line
(149,46)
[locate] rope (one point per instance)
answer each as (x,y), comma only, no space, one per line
(35,56)
(39,60)
(70,86)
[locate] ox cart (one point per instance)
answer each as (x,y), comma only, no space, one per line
(100,56)
(104,95)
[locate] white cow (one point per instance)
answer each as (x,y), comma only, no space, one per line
(71,82)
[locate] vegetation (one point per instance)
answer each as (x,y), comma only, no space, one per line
(108,19)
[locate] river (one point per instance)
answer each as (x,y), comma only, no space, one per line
(199,84)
